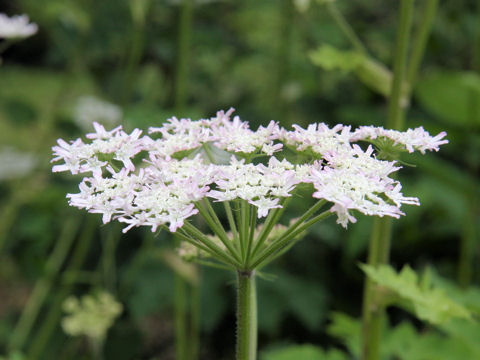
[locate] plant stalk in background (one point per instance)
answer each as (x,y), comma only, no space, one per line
(403,78)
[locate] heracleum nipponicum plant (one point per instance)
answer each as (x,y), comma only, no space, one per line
(164,179)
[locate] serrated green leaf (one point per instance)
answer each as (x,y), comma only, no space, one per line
(348,330)
(428,303)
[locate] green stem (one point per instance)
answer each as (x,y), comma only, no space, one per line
(285,239)
(219,253)
(183,235)
(345,27)
(467,248)
(134,56)
(253,224)
(108,257)
(398,102)
(216,226)
(180,316)
(231,221)
(421,38)
(288,231)
(194,337)
(246,316)
(374,313)
(184,40)
(43,286)
(51,319)
(287,16)
(271,220)
(244,213)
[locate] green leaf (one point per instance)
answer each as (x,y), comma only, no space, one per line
(371,72)
(348,330)
(451,96)
(428,303)
(330,58)
(404,342)
(303,352)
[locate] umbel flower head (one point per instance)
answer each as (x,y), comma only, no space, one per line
(90,316)
(164,178)
(16,27)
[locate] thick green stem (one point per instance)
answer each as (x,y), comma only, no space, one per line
(373,312)
(44,285)
(246,316)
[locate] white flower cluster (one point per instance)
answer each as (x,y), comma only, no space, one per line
(90,316)
(140,180)
(230,135)
(15,164)
(16,27)
(412,139)
(90,109)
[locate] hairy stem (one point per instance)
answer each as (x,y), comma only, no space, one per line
(246,316)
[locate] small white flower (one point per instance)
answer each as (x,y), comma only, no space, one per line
(16,27)
(264,205)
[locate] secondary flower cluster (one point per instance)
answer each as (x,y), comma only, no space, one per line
(16,27)
(159,179)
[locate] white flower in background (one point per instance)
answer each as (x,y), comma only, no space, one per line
(144,181)
(16,27)
(15,164)
(90,109)
(90,316)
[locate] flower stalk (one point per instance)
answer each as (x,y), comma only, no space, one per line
(373,314)
(379,249)
(246,316)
